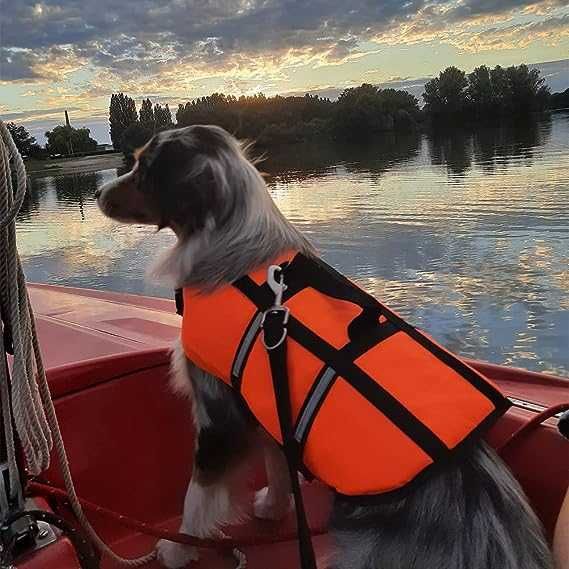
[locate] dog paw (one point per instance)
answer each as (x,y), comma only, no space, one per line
(269,507)
(175,555)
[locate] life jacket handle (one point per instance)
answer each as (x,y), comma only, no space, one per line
(528,427)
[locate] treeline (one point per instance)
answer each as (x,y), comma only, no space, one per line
(61,140)
(454,97)
(266,120)
(66,140)
(358,113)
(485,94)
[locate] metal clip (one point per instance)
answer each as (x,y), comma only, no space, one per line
(278,287)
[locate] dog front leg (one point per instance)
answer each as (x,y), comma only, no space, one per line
(221,464)
(206,508)
(273,501)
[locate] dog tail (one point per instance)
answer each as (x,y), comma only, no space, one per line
(472,516)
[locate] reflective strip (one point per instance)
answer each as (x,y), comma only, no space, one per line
(246,344)
(311,405)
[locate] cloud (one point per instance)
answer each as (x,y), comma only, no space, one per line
(550,30)
(142,37)
(35,114)
(471,29)
(26,65)
(17,65)
(115,34)
(468,9)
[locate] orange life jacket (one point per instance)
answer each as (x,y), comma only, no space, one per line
(376,404)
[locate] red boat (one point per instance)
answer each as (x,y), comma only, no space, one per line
(129,439)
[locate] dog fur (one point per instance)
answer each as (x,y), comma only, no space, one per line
(199,182)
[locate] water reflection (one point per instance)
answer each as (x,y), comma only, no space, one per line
(489,147)
(312,160)
(37,189)
(71,189)
(451,149)
(464,233)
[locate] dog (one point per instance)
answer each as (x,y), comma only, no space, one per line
(199,182)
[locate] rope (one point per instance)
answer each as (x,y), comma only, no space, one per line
(32,409)
(21,402)
(26,399)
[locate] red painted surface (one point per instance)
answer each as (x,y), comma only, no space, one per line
(130,440)
(77,324)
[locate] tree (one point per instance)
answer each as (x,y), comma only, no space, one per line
(366,110)
(480,91)
(134,136)
(485,93)
(122,113)
(527,90)
(24,141)
(162,117)
(147,117)
(216,109)
(446,94)
(66,139)
(358,112)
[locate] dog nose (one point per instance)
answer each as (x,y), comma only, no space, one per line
(98,193)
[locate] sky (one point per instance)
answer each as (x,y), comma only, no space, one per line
(72,54)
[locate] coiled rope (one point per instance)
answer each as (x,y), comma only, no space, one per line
(31,406)
(22,399)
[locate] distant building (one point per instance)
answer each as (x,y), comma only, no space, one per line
(70,150)
(104,147)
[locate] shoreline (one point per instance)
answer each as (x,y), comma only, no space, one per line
(82,164)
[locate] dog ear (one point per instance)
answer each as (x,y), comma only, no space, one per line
(196,194)
(213,184)
(191,183)
(199,194)
(168,176)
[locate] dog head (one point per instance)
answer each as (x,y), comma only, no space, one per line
(188,179)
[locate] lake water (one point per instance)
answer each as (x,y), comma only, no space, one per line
(465,234)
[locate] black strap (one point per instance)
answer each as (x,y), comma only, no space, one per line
(315,273)
(377,395)
(319,391)
(341,361)
(274,329)
(179,298)
(563,424)
(86,554)
(6,333)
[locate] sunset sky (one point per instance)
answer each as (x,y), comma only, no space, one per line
(72,54)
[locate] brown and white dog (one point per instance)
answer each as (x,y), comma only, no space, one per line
(199,182)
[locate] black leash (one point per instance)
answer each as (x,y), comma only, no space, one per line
(274,338)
